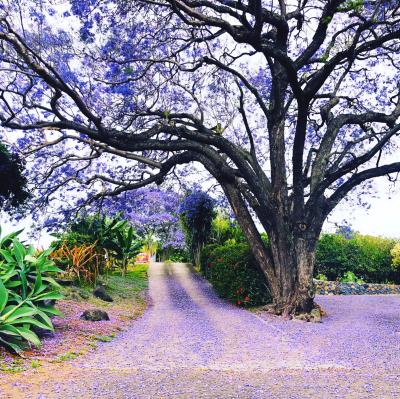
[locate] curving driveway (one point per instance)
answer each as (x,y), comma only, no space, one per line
(191,344)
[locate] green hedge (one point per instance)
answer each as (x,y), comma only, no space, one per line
(231,270)
(368,257)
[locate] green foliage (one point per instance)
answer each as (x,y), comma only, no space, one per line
(350,277)
(26,284)
(321,277)
(175,255)
(233,273)
(128,244)
(366,256)
(395,253)
(223,230)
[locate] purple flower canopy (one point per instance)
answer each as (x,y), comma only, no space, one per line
(151,211)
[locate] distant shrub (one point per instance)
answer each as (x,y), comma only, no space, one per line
(234,275)
(350,277)
(178,255)
(91,243)
(395,252)
(225,231)
(83,263)
(321,277)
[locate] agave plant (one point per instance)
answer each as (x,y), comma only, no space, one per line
(26,291)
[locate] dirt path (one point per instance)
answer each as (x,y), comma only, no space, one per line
(190,344)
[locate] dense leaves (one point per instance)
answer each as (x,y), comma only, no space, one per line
(92,244)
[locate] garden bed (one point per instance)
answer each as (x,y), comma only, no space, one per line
(73,336)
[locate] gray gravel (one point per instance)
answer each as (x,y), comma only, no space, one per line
(191,344)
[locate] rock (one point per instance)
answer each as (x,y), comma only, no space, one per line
(315,315)
(84,294)
(100,292)
(302,316)
(74,296)
(49,302)
(94,315)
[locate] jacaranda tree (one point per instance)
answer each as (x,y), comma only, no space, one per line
(288,104)
(152,211)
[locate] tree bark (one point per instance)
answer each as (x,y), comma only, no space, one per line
(293,258)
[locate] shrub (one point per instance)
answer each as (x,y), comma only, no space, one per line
(83,263)
(225,231)
(321,277)
(232,272)
(395,253)
(26,286)
(350,277)
(177,255)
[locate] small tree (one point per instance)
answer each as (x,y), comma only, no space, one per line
(197,213)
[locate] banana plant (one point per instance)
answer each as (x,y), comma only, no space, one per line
(128,244)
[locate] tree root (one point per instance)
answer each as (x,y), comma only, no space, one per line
(289,312)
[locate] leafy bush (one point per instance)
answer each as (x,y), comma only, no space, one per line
(82,263)
(232,271)
(366,256)
(395,253)
(176,255)
(321,277)
(26,286)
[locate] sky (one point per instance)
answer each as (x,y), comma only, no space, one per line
(381,219)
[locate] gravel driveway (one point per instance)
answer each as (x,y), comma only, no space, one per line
(191,344)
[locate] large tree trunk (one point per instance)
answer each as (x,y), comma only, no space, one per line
(293,259)
(288,263)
